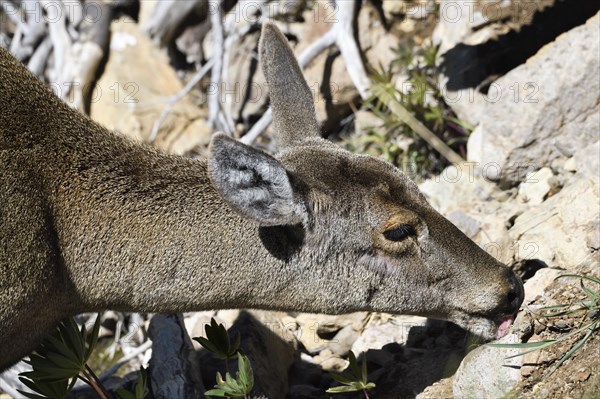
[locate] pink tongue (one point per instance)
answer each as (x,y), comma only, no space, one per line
(504,326)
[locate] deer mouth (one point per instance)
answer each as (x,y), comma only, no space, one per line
(485,326)
(505,324)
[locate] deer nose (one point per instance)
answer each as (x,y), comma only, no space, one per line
(515,294)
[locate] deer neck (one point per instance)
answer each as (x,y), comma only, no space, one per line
(158,237)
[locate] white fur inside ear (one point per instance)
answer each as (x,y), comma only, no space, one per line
(253,183)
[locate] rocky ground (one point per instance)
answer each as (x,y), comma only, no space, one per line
(529,195)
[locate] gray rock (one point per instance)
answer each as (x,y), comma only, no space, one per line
(485,373)
(536,186)
(539,282)
(343,341)
(465,223)
(395,330)
(562,231)
(555,113)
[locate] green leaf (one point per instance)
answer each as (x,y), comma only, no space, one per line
(59,346)
(69,332)
(245,374)
(344,388)
(369,385)
(207,344)
(364,370)
(141,387)
(31,395)
(122,393)
(215,392)
(65,363)
(354,365)
(575,347)
(92,340)
(592,294)
(236,341)
(526,345)
(342,378)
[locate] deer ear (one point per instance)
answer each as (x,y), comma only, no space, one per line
(294,117)
(253,183)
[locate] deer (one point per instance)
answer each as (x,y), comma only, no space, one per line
(91,220)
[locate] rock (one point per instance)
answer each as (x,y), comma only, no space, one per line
(486,373)
(536,186)
(523,325)
(394,331)
(537,284)
(311,326)
(458,187)
(171,371)
(461,30)
(563,231)
(441,389)
(334,363)
(570,165)
(343,341)
(465,223)
(587,160)
(556,115)
(131,99)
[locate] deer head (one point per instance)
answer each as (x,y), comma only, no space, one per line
(355,233)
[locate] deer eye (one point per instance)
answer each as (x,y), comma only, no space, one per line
(399,233)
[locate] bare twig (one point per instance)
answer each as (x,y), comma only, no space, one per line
(342,35)
(426,134)
(346,42)
(182,93)
(59,35)
(215,119)
(126,359)
(37,62)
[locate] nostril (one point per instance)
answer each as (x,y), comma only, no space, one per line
(513,298)
(515,295)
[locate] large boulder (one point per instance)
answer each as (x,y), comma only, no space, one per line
(549,107)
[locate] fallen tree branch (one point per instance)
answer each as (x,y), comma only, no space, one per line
(215,119)
(342,35)
(182,93)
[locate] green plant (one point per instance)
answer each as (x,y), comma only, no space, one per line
(416,112)
(140,389)
(238,387)
(62,359)
(354,380)
(588,325)
(217,342)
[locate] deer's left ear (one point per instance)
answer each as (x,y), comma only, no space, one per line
(253,183)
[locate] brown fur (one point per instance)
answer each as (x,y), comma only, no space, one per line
(91,221)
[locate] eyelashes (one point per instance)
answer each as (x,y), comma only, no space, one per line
(400,233)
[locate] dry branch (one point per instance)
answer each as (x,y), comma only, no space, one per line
(173,100)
